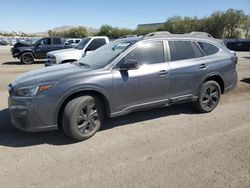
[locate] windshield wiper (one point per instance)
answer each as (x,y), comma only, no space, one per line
(84,64)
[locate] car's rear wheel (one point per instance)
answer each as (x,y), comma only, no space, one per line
(82,117)
(27,58)
(209,97)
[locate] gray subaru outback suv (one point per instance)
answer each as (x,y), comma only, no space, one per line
(159,69)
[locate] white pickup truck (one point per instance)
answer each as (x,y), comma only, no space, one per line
(86,45)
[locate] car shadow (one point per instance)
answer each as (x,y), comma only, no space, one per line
(12,137)
(19,63)
(245,80)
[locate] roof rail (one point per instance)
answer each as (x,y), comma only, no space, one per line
(199,34)
(161,34)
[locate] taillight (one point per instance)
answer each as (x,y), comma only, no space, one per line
(234,59)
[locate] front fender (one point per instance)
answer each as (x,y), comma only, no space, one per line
(81,88)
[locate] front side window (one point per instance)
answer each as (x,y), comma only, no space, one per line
(208,49)
(45,41)
(181,50)
(147,53)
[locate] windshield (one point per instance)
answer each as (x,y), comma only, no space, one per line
(33,41)
(105,54)
(82,44)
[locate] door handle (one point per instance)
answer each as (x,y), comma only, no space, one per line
(202,66)
(162,73)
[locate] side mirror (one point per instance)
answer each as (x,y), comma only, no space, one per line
(129,65)
(86,53)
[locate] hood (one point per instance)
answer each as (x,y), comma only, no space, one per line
(22,44)
(65,52)
(48,74)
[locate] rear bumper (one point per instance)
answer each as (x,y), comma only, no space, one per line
(234,84)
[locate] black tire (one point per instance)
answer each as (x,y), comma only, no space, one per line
(82,117)
(27,58)
(209,97)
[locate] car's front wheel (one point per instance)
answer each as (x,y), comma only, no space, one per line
(82,117)
(209,97)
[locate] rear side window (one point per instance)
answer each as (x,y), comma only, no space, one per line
(181,50)
(96,43)
(57,41)
(208,49)
(147,53)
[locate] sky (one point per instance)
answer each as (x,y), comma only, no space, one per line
(41,15)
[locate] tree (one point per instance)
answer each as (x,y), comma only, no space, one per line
(114,32)
(246,26)
(79,32)
(233,20)
(178,24)
(214,24)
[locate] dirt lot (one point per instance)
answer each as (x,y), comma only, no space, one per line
(167,147)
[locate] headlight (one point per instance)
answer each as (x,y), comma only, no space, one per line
(30,91)
(51,58)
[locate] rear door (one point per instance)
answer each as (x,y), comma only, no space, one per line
(187,68)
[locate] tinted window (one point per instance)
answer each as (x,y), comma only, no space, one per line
(56,41)
(45,41)
(147,53)
(181,50)
(70,41)
(96,43)
(209,49)
(197,50)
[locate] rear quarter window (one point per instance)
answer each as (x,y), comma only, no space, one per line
(208,49)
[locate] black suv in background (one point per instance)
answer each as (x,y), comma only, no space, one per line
(28,52)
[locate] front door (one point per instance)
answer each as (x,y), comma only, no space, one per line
(146,85)
(42,47)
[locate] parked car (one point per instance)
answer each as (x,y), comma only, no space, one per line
(87,45)
(238,44)
(4,42)
(72,42)
(12,42)
(28,52)
(123,76)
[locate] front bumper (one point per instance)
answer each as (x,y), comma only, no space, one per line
(25,118)
(49,63)
(51,60)
(14,52)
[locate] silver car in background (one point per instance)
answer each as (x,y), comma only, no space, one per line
(125,75)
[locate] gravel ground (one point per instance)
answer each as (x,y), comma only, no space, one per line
(165,147)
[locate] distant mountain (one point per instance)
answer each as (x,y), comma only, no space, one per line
(64,28)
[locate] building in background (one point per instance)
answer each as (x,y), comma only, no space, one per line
(150,26)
